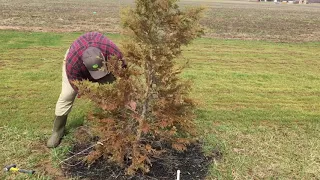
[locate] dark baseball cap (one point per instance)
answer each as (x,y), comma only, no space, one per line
(95,62)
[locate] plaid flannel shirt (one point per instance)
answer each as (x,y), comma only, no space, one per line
(75,68)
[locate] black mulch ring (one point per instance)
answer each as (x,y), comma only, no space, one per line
(192,163)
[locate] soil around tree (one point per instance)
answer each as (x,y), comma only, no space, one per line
(192,163)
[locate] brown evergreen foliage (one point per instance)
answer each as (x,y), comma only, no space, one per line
(148,104)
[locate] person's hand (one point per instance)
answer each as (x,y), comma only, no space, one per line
(124,64)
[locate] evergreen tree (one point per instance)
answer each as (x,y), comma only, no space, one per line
(147,107)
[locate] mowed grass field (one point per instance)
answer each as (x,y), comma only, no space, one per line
(258,101)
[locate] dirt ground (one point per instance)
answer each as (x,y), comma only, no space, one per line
(192,163)
(223,19)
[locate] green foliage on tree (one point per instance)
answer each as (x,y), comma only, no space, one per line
(147,108)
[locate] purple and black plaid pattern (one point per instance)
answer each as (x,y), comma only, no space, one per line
(75,68)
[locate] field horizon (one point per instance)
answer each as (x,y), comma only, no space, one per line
(224,19)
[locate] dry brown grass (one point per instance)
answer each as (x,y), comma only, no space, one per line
(224,19)
(264,21)
(60,16)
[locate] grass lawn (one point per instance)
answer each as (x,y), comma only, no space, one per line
(258,104)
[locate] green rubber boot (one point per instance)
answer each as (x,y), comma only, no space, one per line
(57,132)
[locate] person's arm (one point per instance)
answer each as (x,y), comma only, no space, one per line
(73,70)
(113,50)
(73,79)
